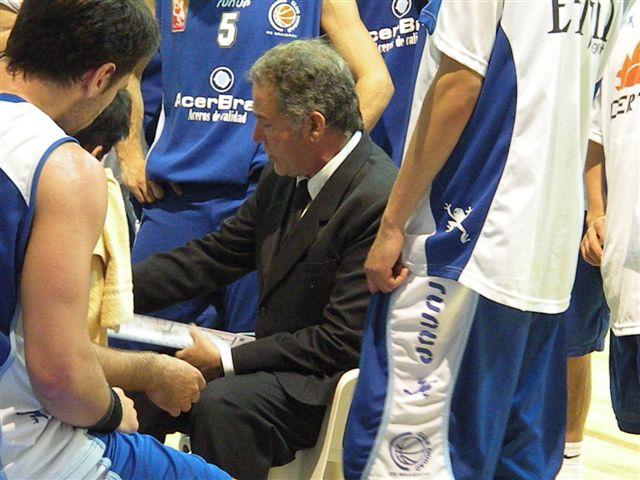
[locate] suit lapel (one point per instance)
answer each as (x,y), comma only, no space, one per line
(274,218)
(317,215)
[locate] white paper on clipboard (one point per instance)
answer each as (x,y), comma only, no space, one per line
(167,333)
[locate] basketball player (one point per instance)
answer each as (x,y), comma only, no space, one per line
(613,218)
(58,416)
(463,365)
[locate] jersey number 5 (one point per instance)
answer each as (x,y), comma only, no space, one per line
(228,30)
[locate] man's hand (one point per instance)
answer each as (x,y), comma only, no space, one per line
(178,385)
(384,271)
(593,241)
(129,423)
(203,355)
(135,179)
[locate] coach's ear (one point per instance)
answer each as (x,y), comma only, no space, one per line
(315,124)
(96,81)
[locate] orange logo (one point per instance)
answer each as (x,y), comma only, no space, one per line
(179,15)
(629,74)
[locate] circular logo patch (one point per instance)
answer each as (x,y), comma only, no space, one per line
(221,79)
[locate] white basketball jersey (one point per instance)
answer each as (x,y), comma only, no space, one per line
(504,215)
(33,444)
(616,127)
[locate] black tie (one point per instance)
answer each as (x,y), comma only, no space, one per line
(299,202)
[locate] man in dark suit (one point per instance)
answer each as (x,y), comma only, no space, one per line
(306,229)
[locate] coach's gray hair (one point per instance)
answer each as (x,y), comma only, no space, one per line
(309,76)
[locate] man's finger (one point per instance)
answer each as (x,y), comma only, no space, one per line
(371,285)
(201,384)
(155,189)
(138,195)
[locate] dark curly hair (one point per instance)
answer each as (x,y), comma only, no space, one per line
(61,40)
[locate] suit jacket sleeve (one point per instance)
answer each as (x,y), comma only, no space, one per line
(334,345)
(201,266)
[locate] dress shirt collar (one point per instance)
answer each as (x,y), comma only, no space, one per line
(319,179)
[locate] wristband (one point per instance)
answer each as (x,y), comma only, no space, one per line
(112,419)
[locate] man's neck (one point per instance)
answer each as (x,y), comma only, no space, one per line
(332,143)
(48,96)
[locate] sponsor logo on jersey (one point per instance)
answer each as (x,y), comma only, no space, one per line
(629,73)
(402,34)
(458,215)
(570,18)
(221,107)
(628,76)
(284,17)
(221,79)
(410,451)
(179,11)
(400,7)
(233,3)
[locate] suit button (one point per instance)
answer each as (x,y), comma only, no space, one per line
(263,311)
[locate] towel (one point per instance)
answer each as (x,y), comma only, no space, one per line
(111,294)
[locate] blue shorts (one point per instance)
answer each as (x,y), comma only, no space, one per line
(142,457)
(587,318)
(454,385)
(174,221)
(624,373)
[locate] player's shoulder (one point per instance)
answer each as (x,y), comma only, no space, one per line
(72,173)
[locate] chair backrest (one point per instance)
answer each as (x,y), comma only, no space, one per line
(324,461)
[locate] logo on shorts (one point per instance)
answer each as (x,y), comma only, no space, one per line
(400,7)
(284,17)
(179,12)
(424,388)
(457,217)
(410,451)
(222,79)
(629,74)
(35,415)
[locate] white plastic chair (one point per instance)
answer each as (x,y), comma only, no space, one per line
(324,461)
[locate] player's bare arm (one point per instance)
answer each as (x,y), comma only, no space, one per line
(130,154)
(169,382)
(593,240)
(445,112)
(341,22)
(69,213)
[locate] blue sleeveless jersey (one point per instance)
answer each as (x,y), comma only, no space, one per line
(206,124)
(394,26)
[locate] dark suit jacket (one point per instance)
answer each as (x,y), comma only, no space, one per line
(313,294)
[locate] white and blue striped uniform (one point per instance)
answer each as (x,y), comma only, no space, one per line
(462,367)
(33,443)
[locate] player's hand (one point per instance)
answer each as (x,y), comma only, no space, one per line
(203,355)
(593,241)
(384,271)
(129,423)
(135,179)
(177,385)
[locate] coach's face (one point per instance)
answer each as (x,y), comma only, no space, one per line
(285,146)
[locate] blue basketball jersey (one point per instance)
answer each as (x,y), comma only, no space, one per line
(204,132)
(394,27)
